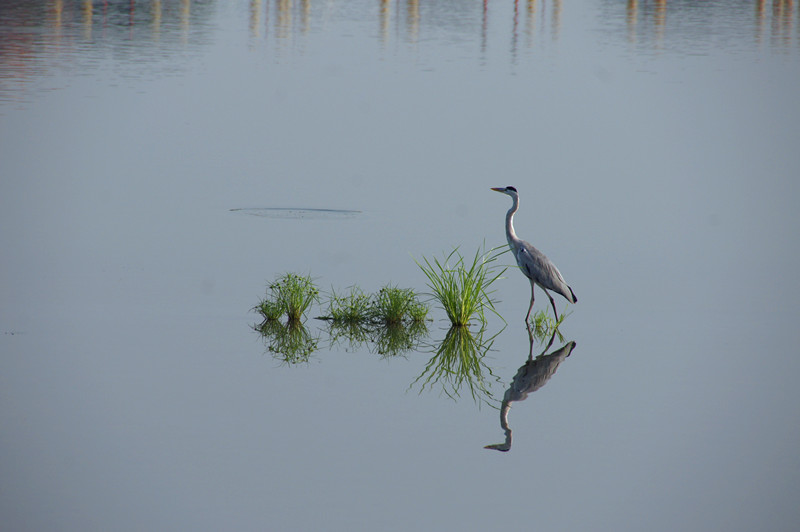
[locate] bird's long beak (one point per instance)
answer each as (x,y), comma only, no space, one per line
(498,189)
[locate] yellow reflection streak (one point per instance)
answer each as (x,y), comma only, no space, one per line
(58,14)
(58,11)
(186,12)
(56,21)
(412,9)
(157,9)
(761,19)
(555,22)
(660,20)
(530,22)
(631,18)
(384,19)
(782,20)
(255,18)
(283,22)
(88,12)
(305,16)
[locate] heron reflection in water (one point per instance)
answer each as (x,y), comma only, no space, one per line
(530,377)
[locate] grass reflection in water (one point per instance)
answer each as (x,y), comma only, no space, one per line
(458,363)
(290,342)
(385,340)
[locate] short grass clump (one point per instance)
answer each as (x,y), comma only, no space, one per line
(389,306)
(462,288)
(290,295)
(351,308)
(396,306)
(392,319)
(270,310)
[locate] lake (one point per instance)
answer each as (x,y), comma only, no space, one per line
(163,162)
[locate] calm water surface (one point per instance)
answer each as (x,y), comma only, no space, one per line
(163,161)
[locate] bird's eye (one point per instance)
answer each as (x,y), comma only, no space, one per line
(511,188)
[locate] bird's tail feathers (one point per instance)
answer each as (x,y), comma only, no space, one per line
(574,298)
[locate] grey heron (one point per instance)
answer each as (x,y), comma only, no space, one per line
(534,264)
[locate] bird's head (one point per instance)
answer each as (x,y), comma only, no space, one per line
(504,447)
(510,191)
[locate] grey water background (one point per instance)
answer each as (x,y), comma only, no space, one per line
(655,148)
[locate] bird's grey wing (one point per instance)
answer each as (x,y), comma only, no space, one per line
(541,270)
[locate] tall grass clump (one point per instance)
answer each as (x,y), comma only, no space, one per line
(461,287)
(290,295)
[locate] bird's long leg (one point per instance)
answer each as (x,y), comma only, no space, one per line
(552,303)
(530,337)
(528,315)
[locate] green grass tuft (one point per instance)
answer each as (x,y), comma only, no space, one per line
(349,309)
(462,288)
(395,306)
(390,306)
(289,295)
(270,310)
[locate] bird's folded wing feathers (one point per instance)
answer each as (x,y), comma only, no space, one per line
(539,268)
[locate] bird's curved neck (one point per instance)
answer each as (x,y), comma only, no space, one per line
(504,409)
(510,234)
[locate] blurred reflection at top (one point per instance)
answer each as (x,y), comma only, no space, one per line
(525,23)
(782,20)
(154,36)
(41,38)
(695,28)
